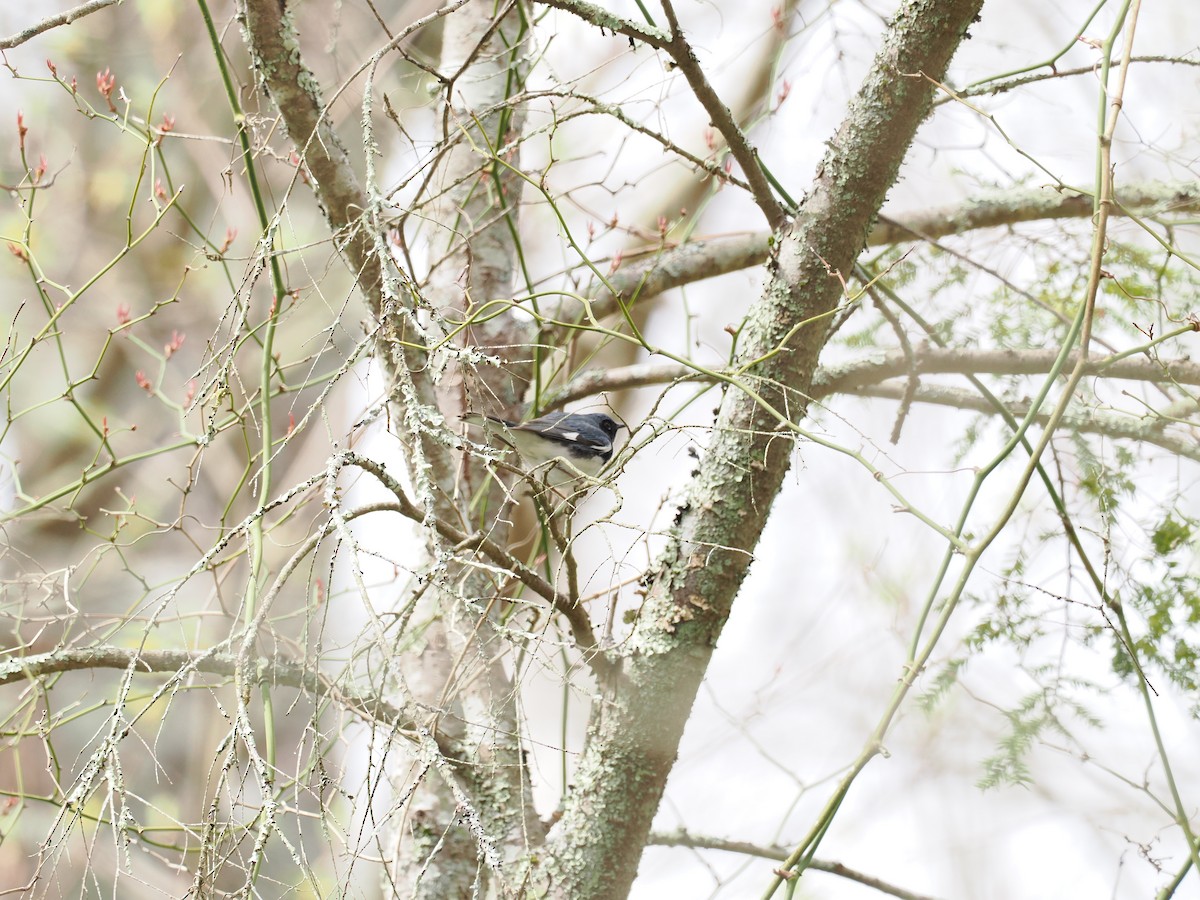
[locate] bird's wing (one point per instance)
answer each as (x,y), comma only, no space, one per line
(561,432)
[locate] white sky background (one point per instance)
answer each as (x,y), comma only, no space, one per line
(813,649)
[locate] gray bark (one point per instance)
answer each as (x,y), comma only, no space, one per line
(462,668)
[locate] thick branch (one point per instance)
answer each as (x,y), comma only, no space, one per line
(698,260)
(934,360)
(870,378)
(1030,205)
(277,672)
(682,839)
(293,88)
(854,376)
(66,18)
(1147,429)
(464,673)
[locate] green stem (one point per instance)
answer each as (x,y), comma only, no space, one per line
(268,229)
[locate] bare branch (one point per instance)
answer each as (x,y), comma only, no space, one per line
(66,18)
(273,44)
(698,260)
(292,88)
(683,839)
(932,360)
(576,615)
(1148,428)
(722,120)
(854,376)
(991,88)
(1030,205)
(681,53)
(599,381)
(606,20)
(273,671)
(869,378)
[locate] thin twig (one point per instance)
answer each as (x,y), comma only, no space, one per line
(576,616)
(683,839)
(722,119)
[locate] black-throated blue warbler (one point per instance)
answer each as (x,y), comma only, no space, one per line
(583,440)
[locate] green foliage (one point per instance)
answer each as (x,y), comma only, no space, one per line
(1007,766)
(1170,534)
(1037,716)
(945,678)
(1105,479)
(1166,603)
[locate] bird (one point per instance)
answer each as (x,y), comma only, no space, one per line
(584,441)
